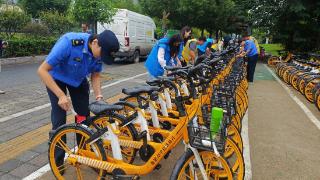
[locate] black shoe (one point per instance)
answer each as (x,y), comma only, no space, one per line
(62,169)
(60,165)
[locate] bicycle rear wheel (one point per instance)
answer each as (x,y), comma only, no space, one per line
(128,132)
(310,89)
(317,99)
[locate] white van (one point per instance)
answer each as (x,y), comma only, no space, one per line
(135,33)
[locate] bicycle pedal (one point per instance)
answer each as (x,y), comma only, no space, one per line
(126,177)
(158,167)
(166,125)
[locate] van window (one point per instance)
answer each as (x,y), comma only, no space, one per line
(118,27)
(132,28)
(140,30)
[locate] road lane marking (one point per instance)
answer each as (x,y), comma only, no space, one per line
(6,118)
(38,173)
(3,119)
(309,114)
(246,147)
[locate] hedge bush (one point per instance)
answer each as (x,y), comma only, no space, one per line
(29,47)
(36,30)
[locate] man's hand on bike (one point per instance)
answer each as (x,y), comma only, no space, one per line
(64,102)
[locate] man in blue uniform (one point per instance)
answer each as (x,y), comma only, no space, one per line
(71,60)
(251,52)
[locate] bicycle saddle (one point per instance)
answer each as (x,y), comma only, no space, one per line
(160,80)
(174,68)
(100,107)
(139,90)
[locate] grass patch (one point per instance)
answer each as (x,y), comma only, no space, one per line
(272,48)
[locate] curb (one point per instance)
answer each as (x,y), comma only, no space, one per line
(22,60)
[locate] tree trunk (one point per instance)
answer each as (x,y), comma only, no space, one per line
(94,27)
(165,16)
(217,35)
(202,32)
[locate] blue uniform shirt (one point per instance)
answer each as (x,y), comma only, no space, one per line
(251,47)
(72,63)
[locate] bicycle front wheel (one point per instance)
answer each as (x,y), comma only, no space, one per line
(214,166)
(71,140)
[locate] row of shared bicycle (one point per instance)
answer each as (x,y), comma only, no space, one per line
(302,74)
(200,105)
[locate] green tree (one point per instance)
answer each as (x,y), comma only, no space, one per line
(207,14)
(196,13)
(12,21)
(93,11)
(56,22)
(127,4)
(35,7)
(166,10)
(295,23)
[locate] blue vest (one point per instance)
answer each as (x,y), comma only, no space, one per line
(152,63)
(71,60)
(210,40)
(202,48)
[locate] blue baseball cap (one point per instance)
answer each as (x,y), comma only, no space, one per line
(109,44)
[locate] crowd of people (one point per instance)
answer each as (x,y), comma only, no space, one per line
(182,49)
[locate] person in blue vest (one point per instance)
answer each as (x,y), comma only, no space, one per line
(205,47)
(164,53)
(250,51)
(210,39)
(71,60)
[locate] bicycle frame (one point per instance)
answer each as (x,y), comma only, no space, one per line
(178,133)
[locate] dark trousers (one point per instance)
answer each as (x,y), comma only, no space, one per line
(183,63)
(80,102)
(252,62)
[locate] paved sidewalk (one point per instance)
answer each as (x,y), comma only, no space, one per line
(284,143)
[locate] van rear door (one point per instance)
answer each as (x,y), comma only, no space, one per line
(150,40)
(119,28)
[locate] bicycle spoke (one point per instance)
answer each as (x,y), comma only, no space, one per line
(79,175)
(64,146)
(81,143)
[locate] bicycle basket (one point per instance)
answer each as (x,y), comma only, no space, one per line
(201,137)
